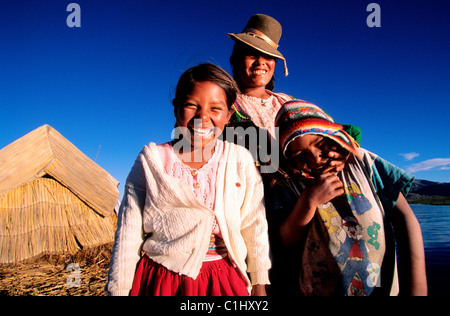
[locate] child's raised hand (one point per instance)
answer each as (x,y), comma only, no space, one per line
(324,189)
(338,158)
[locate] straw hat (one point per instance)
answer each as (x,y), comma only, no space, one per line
(263,33)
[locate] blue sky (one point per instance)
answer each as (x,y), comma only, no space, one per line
(109,84)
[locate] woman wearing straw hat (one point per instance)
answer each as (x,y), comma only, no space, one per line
(253,61)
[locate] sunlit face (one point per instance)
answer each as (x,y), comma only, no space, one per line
(204,114)
(257,69)
(309,153)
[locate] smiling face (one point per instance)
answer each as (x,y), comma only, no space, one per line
(256,69)
(309,153)
(203,114)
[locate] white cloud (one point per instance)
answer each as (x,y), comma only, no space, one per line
(441,163)
(410,156)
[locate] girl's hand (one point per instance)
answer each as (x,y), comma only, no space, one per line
(324,189)
(338,158)
(259,290)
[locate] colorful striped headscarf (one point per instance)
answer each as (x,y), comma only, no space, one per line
(299,118)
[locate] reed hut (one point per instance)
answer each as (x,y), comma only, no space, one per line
(53,198)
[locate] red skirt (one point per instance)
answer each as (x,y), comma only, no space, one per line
(216,278)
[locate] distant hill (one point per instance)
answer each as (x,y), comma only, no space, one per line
(427,192)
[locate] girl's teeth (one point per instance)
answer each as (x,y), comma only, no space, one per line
(259,72)
(202,132)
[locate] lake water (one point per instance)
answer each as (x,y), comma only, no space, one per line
(435,224)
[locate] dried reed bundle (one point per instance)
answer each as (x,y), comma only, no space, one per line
(44,217)
(45,151)
(53,198)
(49,275)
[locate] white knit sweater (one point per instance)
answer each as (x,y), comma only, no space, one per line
(161,216)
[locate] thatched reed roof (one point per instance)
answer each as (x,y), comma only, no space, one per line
(45,151)
(53,198)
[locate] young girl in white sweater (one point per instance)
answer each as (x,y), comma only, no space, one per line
(194,206)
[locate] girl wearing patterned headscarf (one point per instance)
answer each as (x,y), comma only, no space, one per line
(331,232)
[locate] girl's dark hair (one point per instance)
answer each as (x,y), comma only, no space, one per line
(202,73)
(241,50)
